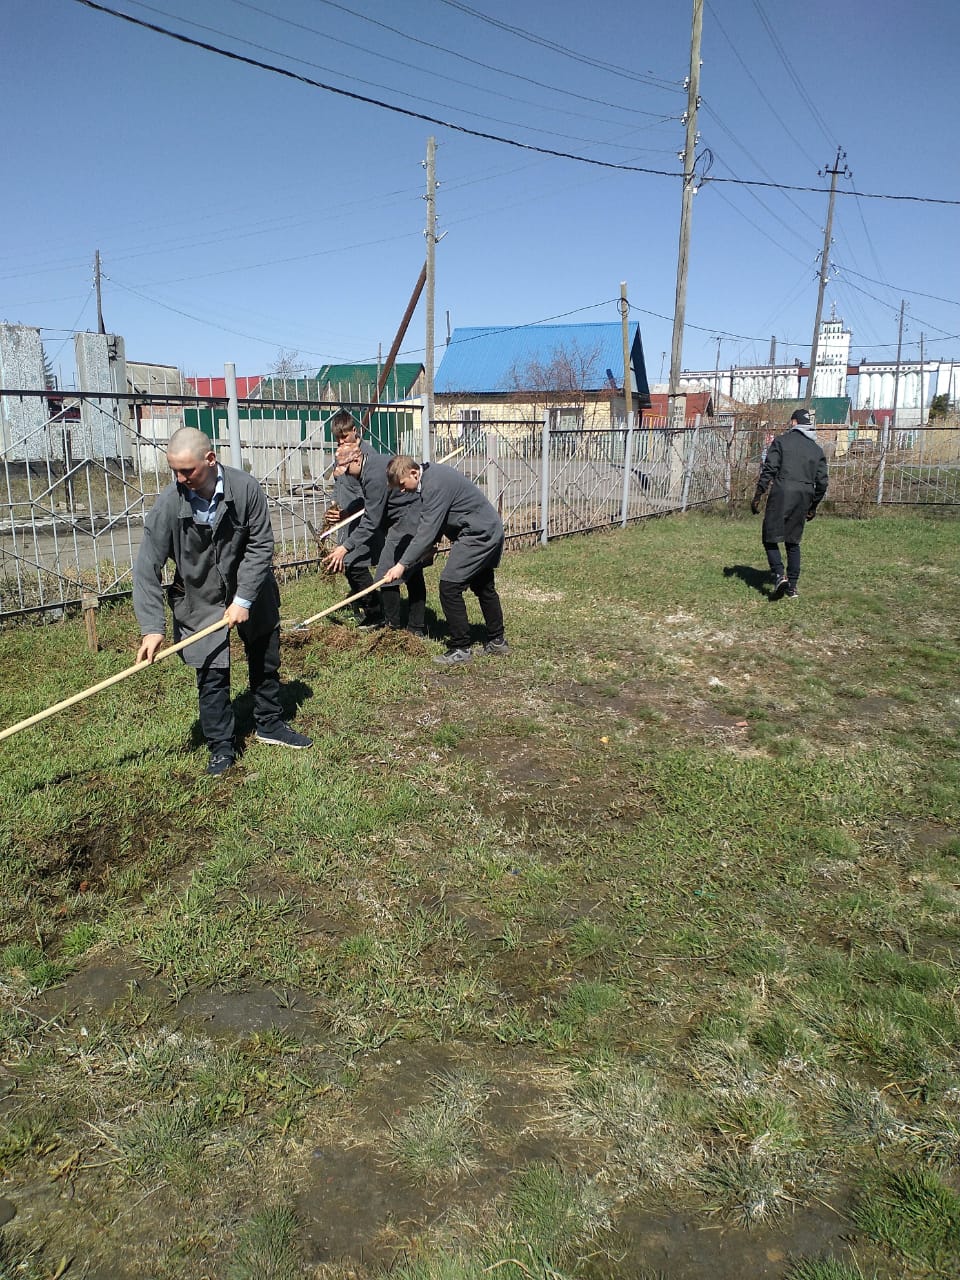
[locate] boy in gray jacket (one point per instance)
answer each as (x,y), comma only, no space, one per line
(454,506)
(213,522)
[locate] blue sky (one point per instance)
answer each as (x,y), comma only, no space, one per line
(239,213)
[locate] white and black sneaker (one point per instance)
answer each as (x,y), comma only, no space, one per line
(281,735)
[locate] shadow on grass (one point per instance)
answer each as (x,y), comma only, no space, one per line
(757,579)
(293,694)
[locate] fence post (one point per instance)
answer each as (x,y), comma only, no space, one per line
(627,471)
(881,469)
(233,415)
(425,424)
(90,603)
(688,464)
(731,441)
(545,481)
(491,443)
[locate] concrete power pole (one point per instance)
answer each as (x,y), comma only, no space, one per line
(896,375)
(835,173)
(101,328)
(686,213)
(431,235)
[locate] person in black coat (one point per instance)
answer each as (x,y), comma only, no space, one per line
(795,473)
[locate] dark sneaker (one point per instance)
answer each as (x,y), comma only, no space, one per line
(220,762)
(453,657)
(282,735)
(497,648)
(415,631)
(781,585)
(370,624)
(791,592)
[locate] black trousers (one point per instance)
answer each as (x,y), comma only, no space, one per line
(455,608)
(359,577)
(413,580)
(775,560)
(213,688)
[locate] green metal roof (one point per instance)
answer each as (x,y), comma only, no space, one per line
(365,377)
(828,411)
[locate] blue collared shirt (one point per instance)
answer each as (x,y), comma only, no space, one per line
(205,512)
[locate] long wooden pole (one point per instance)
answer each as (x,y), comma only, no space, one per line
(175,648)
(335,528)
(358,595)
(105,684)
(394,349)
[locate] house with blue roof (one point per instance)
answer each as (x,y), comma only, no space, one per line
(517,374)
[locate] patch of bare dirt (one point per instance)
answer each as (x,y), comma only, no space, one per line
(358,1208)
(98,987)
(241,1013)
(86,855)
(697,1246)
(336,638)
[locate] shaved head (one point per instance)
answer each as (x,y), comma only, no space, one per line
(188,442)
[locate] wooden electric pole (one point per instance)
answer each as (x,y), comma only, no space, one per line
(835,173)
(686,213)
(431,235)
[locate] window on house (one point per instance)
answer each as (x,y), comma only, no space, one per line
(566,419)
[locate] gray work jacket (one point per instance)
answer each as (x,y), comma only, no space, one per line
(212,564)
(383,507)
(454,506)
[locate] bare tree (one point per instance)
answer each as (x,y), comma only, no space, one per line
(561,383)
(286,365)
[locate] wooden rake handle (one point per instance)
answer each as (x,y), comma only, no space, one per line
(105,684)
(339,605)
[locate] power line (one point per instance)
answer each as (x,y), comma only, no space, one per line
(750,76)
(439,75)
(791,72)
(331,4)
(414,97)
(477,133)
(544,43)
(951,302)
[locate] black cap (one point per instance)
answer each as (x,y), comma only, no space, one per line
(801,417)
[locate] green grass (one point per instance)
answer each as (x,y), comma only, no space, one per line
(659,916)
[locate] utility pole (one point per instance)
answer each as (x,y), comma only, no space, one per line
(922,401)
(835,173)
(890,431)
(689,158)
(431,235)
(896,375)
(96,284)
(716,379)
(627,404)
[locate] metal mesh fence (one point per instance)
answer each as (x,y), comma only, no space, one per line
(80,471)
(915,467)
